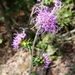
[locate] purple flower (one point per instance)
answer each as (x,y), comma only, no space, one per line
(18,38)
(47,61)
(57,3)
(46,20)
(38,0)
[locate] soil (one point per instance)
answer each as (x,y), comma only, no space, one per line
(64,65)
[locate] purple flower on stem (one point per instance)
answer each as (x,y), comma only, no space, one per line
(46,20)
(18,38)
(47,61)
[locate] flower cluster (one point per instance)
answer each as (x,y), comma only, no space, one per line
(47,61)
(17,39)
(42,60)
(46,18)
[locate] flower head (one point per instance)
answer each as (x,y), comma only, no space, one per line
(47,61)
(46,20)
(17,39)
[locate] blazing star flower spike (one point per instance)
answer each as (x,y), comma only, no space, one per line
(17,39)
(47,61)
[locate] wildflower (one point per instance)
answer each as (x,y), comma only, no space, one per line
(57,3)
(46,20)
(46,17)
(47,61)
(17,39)
(38,0)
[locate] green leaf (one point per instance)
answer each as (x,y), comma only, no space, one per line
(33,74)
(50,50)
(74,68)
(53,57)
(67,74)
(48,2)
(1,40)
(40,58)
(23,44)
(68,1)
(67,13)
(36,59)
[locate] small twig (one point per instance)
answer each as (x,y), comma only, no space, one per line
(70,38)
(42,3)
(70,32)
(63,39)
(54,51)
(53,66)
(3,32)
(15,22)
(32,12)
(67,39)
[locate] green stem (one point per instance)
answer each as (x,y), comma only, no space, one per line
(31,65)
(42,3)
